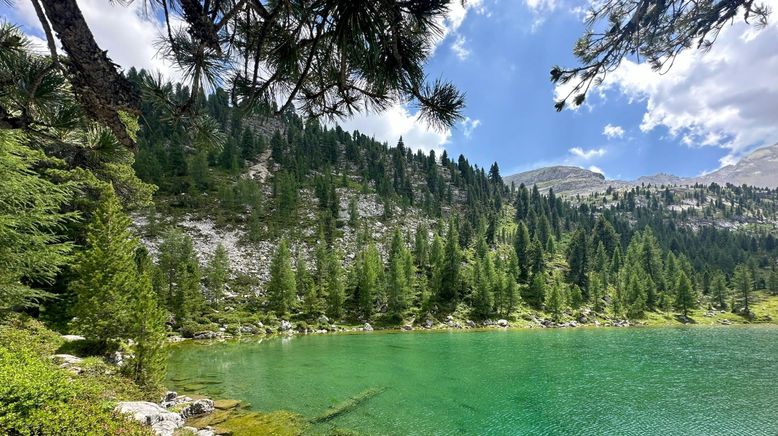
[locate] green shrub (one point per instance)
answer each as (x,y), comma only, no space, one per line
(39,398)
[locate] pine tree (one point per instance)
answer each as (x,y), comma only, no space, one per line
(536,261)
(217,273)
(105,273)
(282,287)
(684,297)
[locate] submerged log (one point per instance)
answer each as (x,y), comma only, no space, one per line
(347,405)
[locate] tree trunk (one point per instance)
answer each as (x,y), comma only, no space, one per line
(101,90)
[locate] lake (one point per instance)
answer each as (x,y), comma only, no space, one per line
(607,381)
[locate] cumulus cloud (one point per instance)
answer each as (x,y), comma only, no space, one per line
(126,32)
(727,97)
(397,121)
(587,154)
(459,49)
(610,131)
(596,169)
(540,9)
(468,125)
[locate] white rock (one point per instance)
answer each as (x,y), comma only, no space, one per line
(73,338)
(502,322)
(162,422)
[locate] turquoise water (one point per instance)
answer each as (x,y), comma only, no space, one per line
(668,381)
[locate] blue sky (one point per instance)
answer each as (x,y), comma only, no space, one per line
(694,119)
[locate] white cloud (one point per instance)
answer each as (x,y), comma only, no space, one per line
(397,121)
(727,97)
(124,31)
(587,154)
(453,19)
(459,49)
(468,125)
(611,131)
(596,169)
(540,9)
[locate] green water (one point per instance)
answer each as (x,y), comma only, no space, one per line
(674,381)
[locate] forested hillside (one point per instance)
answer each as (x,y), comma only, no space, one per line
(300,219)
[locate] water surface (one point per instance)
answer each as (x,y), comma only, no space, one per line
(668,381)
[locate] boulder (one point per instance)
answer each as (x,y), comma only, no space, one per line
(198,408)
(428,323)
(407,327)
(162,421)
(207,335)
(323,320)
(470,323)
(285,325)
(367,327)
(248,329)
(502,322)
(66,360)
(73,338)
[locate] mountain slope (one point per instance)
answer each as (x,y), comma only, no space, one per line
(760,168)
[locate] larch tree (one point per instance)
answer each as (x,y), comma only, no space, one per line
(282,288)
(105,274)
(685,299)
(743,282)
(217,273)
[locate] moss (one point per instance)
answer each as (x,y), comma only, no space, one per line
(280,423)
(237,422)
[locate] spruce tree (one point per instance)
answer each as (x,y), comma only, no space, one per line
(483,287)
(772,281)
(282,287)
(636,296)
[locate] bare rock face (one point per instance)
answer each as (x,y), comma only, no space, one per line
(162,421)
(760,169)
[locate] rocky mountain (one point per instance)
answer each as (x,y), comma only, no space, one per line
(760,169)
(564,179)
